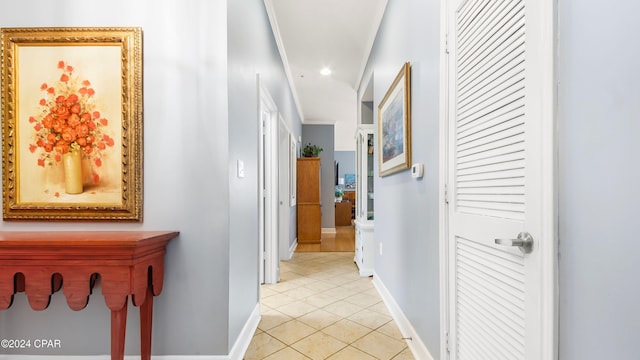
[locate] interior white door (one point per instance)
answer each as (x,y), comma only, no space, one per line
(262,188)
(284,186)
(268,188)
(498,180)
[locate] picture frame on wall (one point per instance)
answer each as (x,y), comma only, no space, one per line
(394,125)
(71,123)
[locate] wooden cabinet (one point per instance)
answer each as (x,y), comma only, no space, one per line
(343,213)
(309,213)
(350,196)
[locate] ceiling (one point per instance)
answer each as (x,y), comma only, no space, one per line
(313,34)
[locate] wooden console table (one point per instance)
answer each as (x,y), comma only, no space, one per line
(128,263)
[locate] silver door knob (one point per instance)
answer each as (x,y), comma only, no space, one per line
(524,242)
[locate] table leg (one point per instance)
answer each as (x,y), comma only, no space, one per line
(118,331)
(146,319)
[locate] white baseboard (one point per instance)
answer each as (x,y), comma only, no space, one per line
(417,347)
(292,248)
(329,230)
(237,352)
(246,335)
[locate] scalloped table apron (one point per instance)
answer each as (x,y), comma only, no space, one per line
(128,263)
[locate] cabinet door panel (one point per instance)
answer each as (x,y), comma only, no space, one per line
(309,227)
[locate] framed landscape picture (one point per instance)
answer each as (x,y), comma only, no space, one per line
(72,123)
(394,125)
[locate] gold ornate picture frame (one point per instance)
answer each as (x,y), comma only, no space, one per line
(71,123)
(394,125)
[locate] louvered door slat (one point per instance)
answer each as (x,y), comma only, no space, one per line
(500,28)
(499,209)
(502,350)
(490,287)
(513,331)
(510,55)
(493,175)
(503,144)
(481,21)
(491,155)
(507,288)
(479,18)
(508,113)
(500,79)
(491,301)
(491,106)
(489,135)
(469,11)
(505,161)
(499,295)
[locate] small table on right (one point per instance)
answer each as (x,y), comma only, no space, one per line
(343,213)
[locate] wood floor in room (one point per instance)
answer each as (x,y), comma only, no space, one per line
(342,240)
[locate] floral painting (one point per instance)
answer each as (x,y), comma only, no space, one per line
(70,118)
(72,123)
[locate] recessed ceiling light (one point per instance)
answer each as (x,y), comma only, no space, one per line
(325,71)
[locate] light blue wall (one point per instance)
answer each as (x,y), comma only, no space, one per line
(346,162)
(323,136)
(407,210)
(599,177)
(186,180)
(252,50)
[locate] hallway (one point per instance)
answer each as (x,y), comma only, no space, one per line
(322,309)
(342,240)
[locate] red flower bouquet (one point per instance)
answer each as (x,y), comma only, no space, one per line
(69,121)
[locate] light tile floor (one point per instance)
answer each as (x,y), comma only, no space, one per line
(323,309)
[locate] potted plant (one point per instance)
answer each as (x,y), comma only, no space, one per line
(339,195)
(311,150)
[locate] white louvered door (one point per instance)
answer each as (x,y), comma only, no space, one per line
(494,183)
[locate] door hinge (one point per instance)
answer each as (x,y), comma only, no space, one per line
(446,43)
(447,341)
(446,194)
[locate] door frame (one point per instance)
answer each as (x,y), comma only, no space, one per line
(549,175)
(268,187)
(285,186)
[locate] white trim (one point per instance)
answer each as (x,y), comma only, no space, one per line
(443,220)
(268,185)
(328,230)
(246,335)
(549,166)
(417,347)
(271,13)
(292,249)
(365,272)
